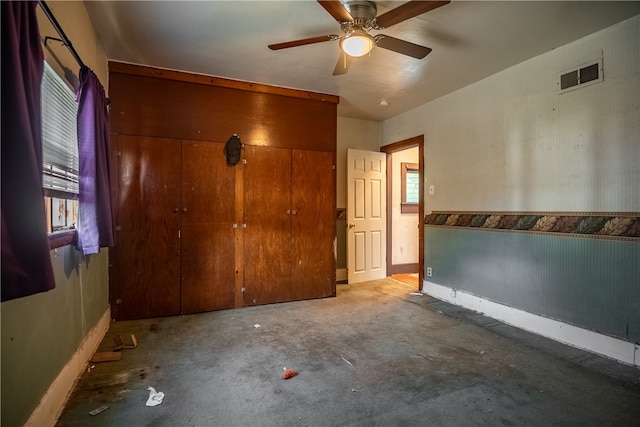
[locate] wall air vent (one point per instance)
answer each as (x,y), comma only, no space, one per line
(584,75)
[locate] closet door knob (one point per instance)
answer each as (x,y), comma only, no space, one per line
(184,210)
(294,212)
(176,210)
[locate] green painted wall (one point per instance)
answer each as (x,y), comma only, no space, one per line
(587,282)
(40,333)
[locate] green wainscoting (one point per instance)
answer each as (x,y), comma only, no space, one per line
(41,332)
(589,282)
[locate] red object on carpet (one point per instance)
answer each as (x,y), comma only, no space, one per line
(289,373)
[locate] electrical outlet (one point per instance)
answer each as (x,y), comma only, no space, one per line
(429,272)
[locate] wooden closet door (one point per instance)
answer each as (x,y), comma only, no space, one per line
(313,225)
(267,215)
(207,233)
(144,278)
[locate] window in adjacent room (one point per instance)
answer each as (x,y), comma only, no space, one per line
(60,154)
(410,185)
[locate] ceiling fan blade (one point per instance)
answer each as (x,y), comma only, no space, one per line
(302,42)
(402,46)
(406,11)
(344,62)
(336,9)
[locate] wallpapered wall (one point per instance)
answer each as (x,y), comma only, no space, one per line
(511,145)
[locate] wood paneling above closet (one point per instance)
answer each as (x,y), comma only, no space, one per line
(180,105)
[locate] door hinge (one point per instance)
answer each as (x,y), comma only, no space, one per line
(243,289)
(178,234)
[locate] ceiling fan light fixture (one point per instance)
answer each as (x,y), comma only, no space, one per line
(357,44)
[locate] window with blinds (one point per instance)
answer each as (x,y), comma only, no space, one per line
(59,151)
(409,187)
(59,134)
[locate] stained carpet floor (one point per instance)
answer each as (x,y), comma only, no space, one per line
(375,355)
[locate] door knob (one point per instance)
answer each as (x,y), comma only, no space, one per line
(350,226)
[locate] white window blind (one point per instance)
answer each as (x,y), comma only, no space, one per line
(59,134)
(412,186)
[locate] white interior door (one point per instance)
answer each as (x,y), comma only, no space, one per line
(366,215)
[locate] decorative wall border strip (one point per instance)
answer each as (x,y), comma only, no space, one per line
(603,225)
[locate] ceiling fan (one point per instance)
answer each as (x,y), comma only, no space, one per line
(357,18)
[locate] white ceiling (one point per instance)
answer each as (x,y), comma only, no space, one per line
(470,40)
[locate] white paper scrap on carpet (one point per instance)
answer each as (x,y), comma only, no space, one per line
(155,397)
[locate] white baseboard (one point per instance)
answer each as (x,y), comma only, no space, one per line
(341,274)
(50,407)
(613,348)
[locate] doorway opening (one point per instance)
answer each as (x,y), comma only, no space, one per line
(405,210)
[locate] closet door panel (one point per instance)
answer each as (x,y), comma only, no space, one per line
(145,263)
(267,215)
(207,267)
(313,224)
(207,233)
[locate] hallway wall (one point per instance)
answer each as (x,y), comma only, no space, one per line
(511,144)
(358,134)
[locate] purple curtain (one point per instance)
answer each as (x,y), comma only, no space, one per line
(26,263)
(95,215)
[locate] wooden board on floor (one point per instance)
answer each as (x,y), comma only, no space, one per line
(409,279)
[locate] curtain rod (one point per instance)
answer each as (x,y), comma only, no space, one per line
(65,40)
